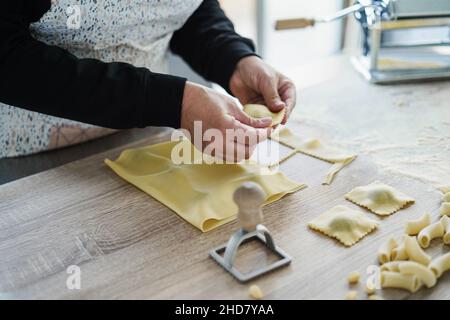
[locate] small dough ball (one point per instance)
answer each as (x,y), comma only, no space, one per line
(353,277)
(255,292)
(375,297)
(259,111)
(370,290)
(351,295)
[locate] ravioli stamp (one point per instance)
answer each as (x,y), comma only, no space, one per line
(379,198)
(344,224)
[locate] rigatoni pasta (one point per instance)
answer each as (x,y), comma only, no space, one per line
(399,252)
(397,280)
(435,230)
(423,273)
(446,197)
(413,227)
(391,266)
(445,221)
(445,209)
(444,189)
(385,251)
(415,252)
(440,265)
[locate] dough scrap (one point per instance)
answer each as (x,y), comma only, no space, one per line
(259,111)
(315,148)
(200,193)
(445,209)
(346,225)
(379,198)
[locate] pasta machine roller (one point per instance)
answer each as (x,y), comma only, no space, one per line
(401,40)
(249,198)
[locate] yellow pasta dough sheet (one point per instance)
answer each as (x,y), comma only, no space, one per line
(344,224)
(259,111)
(379,198)
(317,149)
(200,193)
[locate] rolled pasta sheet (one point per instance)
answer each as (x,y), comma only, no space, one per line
(397,280)
(385,251)
(445,221)
(413,227)
(435,230)
(423,273)
(415,252)
(440,265)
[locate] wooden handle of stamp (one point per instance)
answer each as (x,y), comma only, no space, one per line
(293,23)
(249,198)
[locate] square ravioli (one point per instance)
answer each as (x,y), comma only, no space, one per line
(379,198)
(344,224)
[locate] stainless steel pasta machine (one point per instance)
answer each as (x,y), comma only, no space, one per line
(401,40)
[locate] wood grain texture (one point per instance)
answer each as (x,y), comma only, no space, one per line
(128,245)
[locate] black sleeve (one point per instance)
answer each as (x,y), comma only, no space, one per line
(209,44)
(50,80)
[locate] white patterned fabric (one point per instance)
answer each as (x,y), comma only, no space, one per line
(133,31)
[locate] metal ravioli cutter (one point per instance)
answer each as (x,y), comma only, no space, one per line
(249,197)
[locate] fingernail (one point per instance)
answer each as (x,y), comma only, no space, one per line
(266,120)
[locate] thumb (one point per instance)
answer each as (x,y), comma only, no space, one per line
(269,90)
(244,118)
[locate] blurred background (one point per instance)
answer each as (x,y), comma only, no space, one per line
(285,50)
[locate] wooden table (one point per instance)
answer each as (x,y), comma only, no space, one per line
(128,245)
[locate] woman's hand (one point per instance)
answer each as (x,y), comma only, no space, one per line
(240,133)
(254,81)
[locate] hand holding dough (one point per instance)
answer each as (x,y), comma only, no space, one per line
(259,111)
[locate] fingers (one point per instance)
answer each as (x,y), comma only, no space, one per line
(244,118)
(247,135)
(269,90)
(288,95)
(240,140)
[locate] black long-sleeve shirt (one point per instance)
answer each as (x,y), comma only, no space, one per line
(50,80)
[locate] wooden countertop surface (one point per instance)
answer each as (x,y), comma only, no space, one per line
(128,245)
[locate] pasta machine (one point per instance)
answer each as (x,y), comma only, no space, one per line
(249,198)
(401,40)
